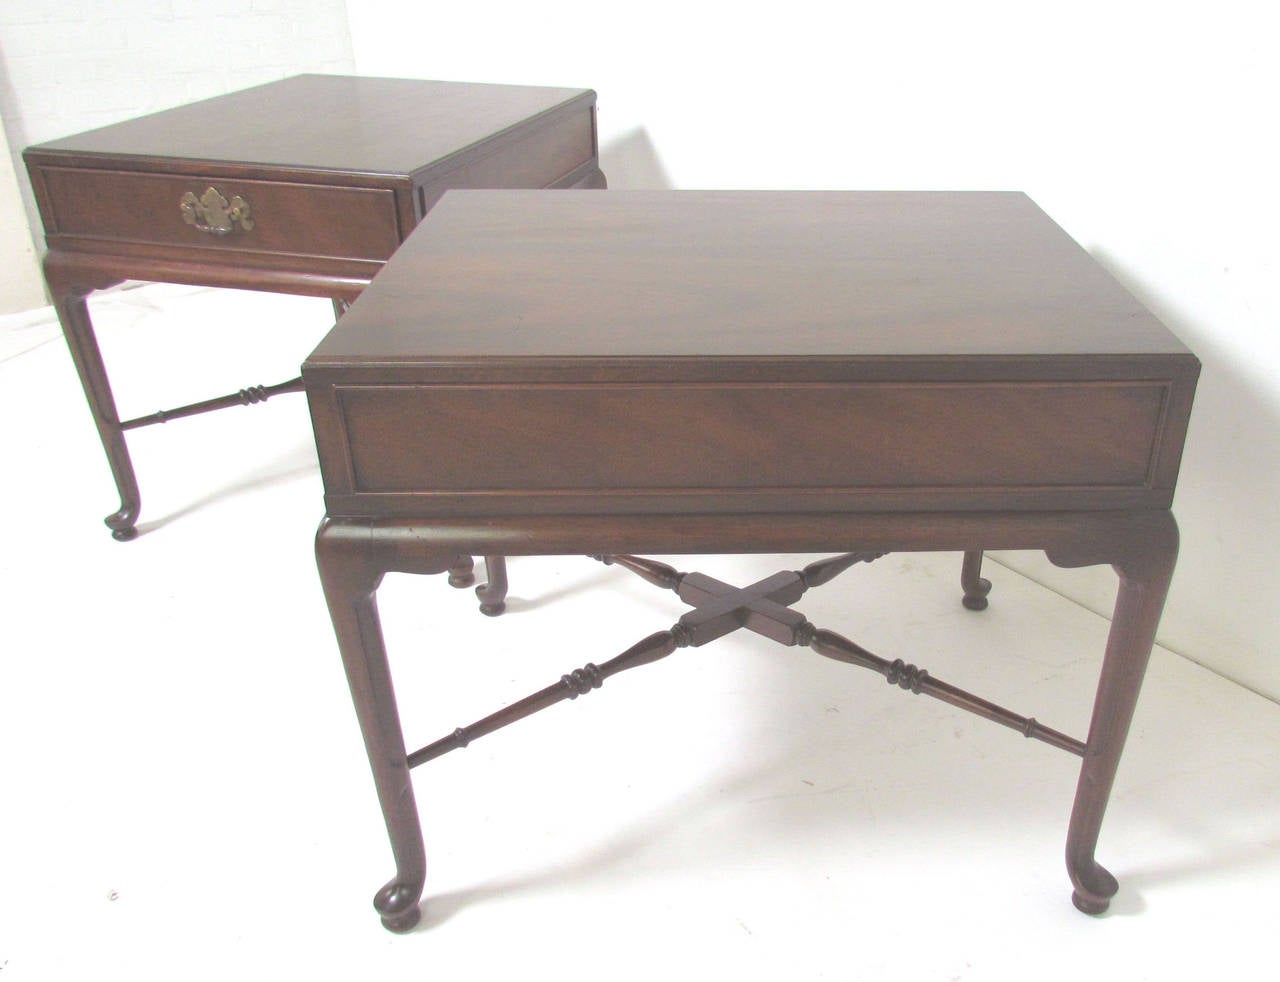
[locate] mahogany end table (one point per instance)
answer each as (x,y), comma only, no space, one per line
(736,372)
(302,186)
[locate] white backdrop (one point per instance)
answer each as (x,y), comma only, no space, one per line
(1146,129)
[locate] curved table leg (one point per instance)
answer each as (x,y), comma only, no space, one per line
(350,574)
(975,587)
(1145,571)
(73,314)
(354,554)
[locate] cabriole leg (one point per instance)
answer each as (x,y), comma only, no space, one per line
(73,313)
(1144,583)
(347,558)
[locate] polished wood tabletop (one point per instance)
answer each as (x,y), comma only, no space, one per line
(348,124)
(733,274)
(815,351)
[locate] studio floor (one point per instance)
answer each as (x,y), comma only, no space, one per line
(184,793)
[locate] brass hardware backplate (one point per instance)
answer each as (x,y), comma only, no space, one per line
(213,213)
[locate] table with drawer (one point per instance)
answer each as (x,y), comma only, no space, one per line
(305,185)
(745,372)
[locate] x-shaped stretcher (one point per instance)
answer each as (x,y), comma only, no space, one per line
(719,609)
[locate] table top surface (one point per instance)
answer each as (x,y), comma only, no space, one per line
(510,275)
(329,123)
(770,351)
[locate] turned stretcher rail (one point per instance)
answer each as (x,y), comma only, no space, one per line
(245,397)
(764,607)
(576,683)
(917,680)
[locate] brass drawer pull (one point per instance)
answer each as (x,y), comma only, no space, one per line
(213,213)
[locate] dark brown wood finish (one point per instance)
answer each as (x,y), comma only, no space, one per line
(836,350)
(316,180)
(717,372)
(975,586)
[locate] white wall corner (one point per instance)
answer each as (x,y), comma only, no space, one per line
(21,286)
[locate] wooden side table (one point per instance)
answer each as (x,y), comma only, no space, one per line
(300,186)
(734,372)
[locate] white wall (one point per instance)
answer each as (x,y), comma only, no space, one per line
(72,65)
(21,287)
(1146,129)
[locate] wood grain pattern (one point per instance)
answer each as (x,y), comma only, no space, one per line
(499,275)
(386,126)
(746,351)
(298,219)
(336,171)
(853,437)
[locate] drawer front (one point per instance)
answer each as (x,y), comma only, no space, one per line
(221,213)
(527,449)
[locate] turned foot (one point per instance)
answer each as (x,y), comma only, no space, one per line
(461,573)
(975,587)
(1094,888)
(122,522)
(493,594)
(398,904)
